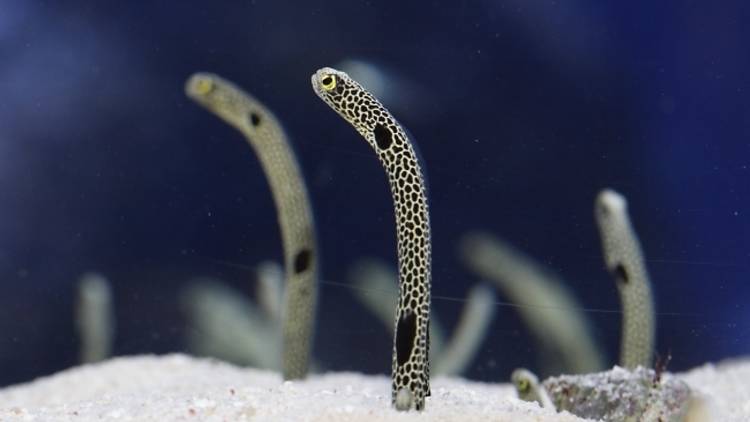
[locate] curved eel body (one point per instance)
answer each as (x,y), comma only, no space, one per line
(529,388)
(411,373)
(267,138)
(624,260)
(554,316)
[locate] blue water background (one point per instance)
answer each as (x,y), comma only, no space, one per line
(525,110)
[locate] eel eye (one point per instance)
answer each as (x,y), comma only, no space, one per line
(204,85)
(523,385)
(603,210)
(328,82)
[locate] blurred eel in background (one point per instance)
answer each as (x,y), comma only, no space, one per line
(95,319)
(549,309)
(265,135)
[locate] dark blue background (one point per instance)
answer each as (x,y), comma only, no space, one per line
(528,109)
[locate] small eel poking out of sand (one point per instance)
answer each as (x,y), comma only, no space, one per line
(267,138)
(624,260)
(411,373)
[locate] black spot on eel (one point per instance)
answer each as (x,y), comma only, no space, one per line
(624,260)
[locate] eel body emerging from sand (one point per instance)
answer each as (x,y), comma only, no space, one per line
(411,366)
(624,260)
(267,138)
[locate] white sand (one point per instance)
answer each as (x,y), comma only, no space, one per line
(182,388)
(723,390)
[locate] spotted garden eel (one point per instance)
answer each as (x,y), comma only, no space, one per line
(375,285)
(624,260)
(529,388)
(266,136)
(411,366)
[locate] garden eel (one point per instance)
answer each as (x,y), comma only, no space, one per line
(624,260)
(528,388)
(226,325)
(269,291)
(553,314)
(411,366)
(470,332)
(95,319)
(375,284)
(266,136)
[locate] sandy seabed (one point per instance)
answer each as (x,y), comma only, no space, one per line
(183,388)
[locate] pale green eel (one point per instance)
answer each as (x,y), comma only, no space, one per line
(95,319)
(267,138)
(624,260)
(546,305)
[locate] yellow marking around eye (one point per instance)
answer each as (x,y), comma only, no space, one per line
(528,388)
(203,86)
(328,82)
